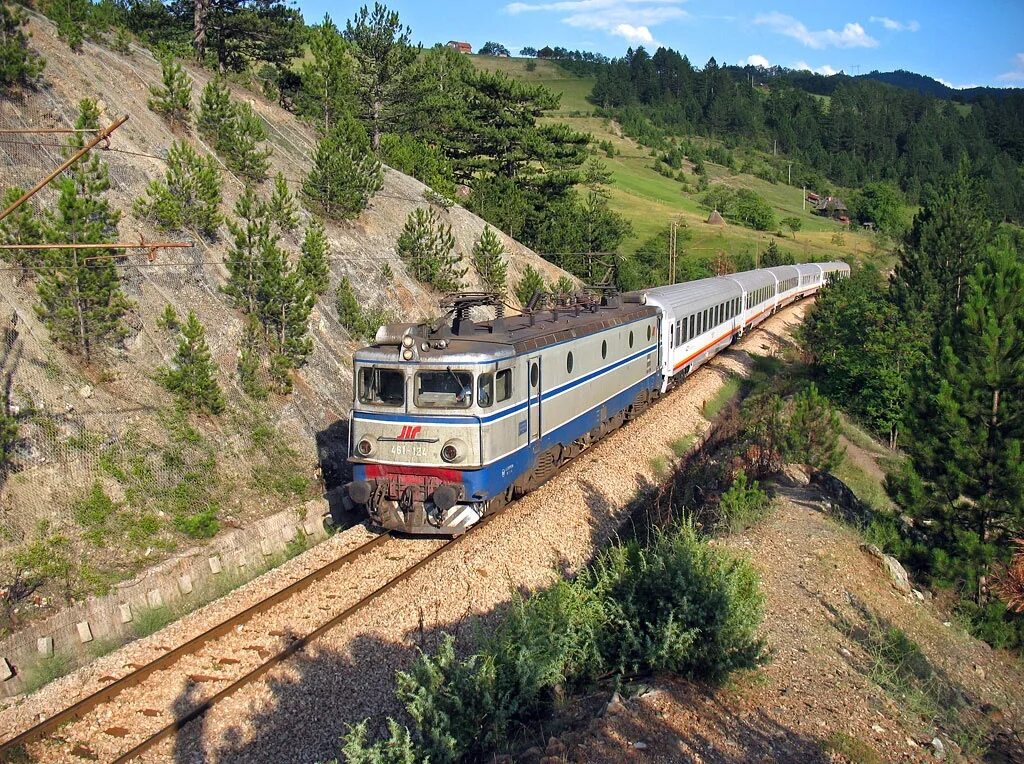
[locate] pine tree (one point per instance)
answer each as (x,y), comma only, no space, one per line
(813,431)
(173,98)
(531,283)
(193,379)
(215,114)
(966,436)
(249,360)
(350,313)
(80,300)
(189,195)
(313,258)
(282,207)
(23,226)
(169,319)
(563,286)
(488,257)
(327,76)
(427,246)
(244,155)
(384,60)
(71,18)
(18,64)
(345,173)
(251,237)
(948,238)
(284,303)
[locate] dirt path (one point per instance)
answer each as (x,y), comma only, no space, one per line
(816,696)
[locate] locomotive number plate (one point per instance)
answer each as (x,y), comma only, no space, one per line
(408,449)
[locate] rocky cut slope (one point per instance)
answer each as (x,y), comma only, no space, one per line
(109,425)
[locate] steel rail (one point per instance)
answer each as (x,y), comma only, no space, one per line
(137,676)
(281,656)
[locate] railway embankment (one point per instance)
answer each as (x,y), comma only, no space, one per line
(299,710)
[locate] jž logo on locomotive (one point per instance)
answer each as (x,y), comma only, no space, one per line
(409,432)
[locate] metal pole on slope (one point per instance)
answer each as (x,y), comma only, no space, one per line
(100,136)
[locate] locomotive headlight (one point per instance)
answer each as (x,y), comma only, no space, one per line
(407,341)
(453,451)
(364,447)
(407,354)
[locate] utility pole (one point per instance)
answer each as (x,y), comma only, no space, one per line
(790,182)
(672,252)
(803,207)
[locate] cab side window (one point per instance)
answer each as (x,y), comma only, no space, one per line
(485,390)
(503,385)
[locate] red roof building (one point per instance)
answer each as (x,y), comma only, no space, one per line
(461,47)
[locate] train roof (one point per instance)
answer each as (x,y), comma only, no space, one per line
(473,341)
(691,294)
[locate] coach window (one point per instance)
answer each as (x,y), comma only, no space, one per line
(648,333)
(631,338)
(534,375)
(604,349)
(680,332)
(485,390)
(568,363)
(684,327)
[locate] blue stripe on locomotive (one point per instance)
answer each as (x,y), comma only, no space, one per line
(492,480)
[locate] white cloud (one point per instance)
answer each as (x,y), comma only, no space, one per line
(1017,73)
(755,59)
(638,35)
(895,26)
(851,36)
(825,69)
(955,87)
(629,19)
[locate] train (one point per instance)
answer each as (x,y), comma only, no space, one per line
(453,419)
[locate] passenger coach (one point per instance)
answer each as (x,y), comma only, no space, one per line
(453,420)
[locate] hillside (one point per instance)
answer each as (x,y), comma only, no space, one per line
(112,424)
(650,200)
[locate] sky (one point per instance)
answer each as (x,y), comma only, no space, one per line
(962,44)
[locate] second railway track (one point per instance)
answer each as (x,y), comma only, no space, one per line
(216,663)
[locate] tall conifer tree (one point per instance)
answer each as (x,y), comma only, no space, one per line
(80,297)
(313,258)
(967,429)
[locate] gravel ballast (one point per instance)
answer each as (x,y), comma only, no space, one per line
(298,711)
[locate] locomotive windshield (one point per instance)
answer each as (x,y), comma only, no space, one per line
(444,389)
(381,387)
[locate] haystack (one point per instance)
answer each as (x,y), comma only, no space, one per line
(715,218)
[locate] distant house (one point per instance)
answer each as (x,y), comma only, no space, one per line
(461,47)
(833,207)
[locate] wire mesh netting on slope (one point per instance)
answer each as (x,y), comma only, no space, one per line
(104,473)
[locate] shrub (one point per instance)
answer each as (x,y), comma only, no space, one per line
(813,432)
(753,211)
(743,505)
(93,511)
(201,525)
(563,286)
(189,195)
(173,97)
(427,246)
(361,322)
(678,605)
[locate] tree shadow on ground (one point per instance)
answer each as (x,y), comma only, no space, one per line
(925,692)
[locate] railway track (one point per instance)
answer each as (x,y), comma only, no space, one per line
(288,643)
